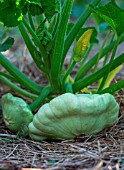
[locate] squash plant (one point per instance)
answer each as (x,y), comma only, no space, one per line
(48,35)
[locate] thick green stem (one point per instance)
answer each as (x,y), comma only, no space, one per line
(86,55)
(113,88)
(36,39)
(110,65)
(57,23)
(82,83)
(76,28)
(38,102)
(32,49)
(100,52)
(19,76)
(84,59)
(107,55)
(59,45)
(68,88)
(31,21)
(68,72)
(27,39)
(8,76)
(18,89)
(52,24)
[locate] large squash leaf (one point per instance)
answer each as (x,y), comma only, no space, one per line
(113,15)
(10,15)
(12,11)
(3,4)
(50,7)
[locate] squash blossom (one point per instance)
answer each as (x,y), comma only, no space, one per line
(82,45)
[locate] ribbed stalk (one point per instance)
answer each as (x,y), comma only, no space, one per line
(18,89)
(41,98)
(27,39)
(31,21)
(19,76)
(113,88)
(41,49)
(70,68)
(59,45)
(100,52)
(36,39)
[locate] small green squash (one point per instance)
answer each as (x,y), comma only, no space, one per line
(16,114)
(68,116)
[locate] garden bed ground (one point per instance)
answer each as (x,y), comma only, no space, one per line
(104,151)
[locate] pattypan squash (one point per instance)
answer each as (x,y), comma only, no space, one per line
(16,114)
(68,116)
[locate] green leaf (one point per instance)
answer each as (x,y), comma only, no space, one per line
(50,7)
(11,15)
(101,24)
(12,11)
(35,9)
(4,4)
(43,34)
(36,2)
(6,44)
(113,15)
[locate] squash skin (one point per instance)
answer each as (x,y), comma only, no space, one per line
(16,114)
(68,116)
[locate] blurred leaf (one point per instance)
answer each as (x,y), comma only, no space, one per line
(4,4)
(113,15)
(3,34)
(104,26)
(6,44)
(101,24)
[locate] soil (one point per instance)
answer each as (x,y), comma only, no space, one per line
(104,151)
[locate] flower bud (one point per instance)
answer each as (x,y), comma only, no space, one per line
(82,45)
